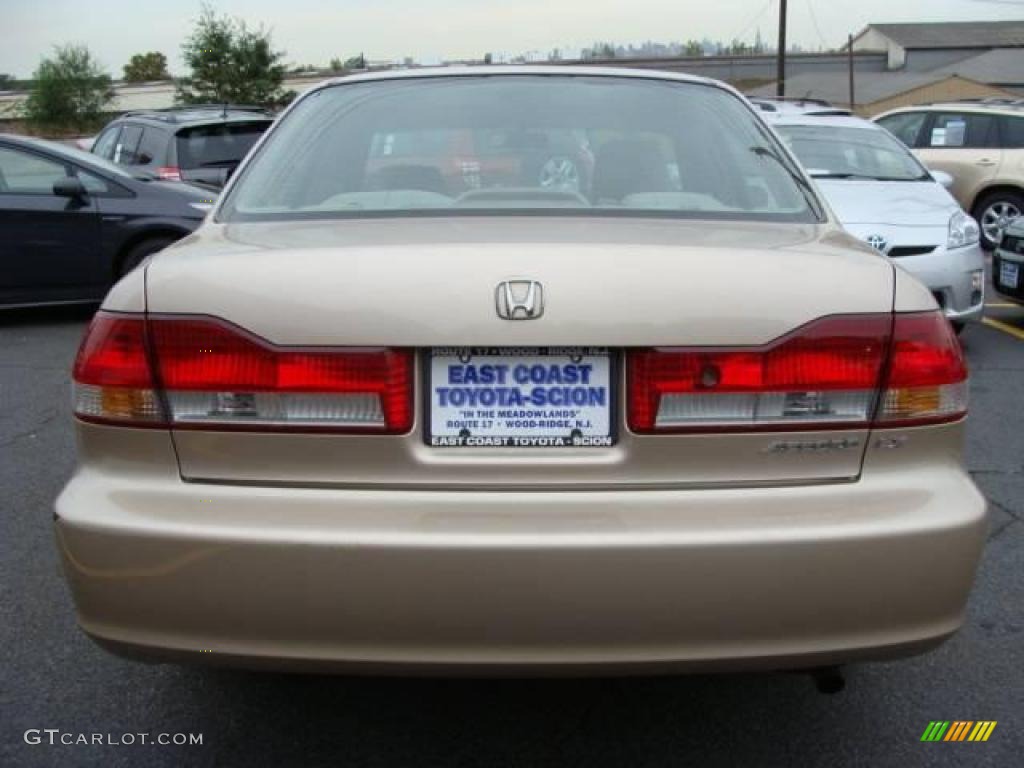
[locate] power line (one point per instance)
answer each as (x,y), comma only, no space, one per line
(814,21)
(750,25)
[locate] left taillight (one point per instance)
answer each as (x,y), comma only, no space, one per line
(113,382)
(209,374)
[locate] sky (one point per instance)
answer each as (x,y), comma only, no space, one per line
(314,31)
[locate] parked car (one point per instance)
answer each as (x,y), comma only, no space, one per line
(669,422)
(71,223)
(1008,263)
(981,145)
(197,143)
(884,196)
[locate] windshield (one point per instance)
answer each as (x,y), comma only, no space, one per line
(520,143)
(220,145)
(848,152)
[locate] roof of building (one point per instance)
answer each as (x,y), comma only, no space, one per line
(954,34)
(835,86)
(1002,66)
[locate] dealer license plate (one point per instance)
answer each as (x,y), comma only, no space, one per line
(1009,274)
(530,397)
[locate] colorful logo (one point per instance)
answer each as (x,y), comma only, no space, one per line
(958,730)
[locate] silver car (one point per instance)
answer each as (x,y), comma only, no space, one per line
(883,195)
(423,416)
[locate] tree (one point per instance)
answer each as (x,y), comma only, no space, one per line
(6,80)
(143,67)
(230,63)
(69,91)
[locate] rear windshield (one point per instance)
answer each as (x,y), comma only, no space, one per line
(846,152)
(221,145)
(519,144)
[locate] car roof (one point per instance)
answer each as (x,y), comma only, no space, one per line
(523,69)
(830,121)
(988,106)
(183,117)
(774,106)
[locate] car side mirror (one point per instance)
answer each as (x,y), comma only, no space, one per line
(942,178)
(70,187)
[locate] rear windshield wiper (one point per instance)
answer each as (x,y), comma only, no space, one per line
(868,177)
(216,163)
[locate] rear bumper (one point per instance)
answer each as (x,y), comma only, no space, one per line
(557,581)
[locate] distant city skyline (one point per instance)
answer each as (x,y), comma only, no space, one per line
(312,32)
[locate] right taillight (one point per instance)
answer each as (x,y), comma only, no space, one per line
(840,372)
(926,380)
(205,373)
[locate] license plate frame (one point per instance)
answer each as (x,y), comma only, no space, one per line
(1009,274)
(606,376)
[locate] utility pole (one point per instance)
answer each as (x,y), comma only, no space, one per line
(849,59)
(780,67)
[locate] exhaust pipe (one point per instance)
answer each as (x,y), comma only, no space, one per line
(828,679)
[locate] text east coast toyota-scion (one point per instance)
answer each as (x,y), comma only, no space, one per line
(540,368)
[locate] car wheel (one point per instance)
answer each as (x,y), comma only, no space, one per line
(140,251)
(994,212)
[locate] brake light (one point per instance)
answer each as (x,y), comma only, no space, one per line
(823,374)
(826,375)
(169,173)
(215,375)
(927,379)
(113,381)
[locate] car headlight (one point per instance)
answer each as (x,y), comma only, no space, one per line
(963,230)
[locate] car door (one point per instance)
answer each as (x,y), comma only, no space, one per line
(964,145)
(49,246)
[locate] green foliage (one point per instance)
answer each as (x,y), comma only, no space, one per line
(336,65)
(143,67)
(230,63)
(355,62)
(69,92)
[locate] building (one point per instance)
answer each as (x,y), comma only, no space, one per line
(946,61)
(924,47)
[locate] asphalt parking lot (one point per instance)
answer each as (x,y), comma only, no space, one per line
(53,677)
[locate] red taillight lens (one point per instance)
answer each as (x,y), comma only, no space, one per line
(927,380)
(112,375)
(215,375)
(169,173)
(824,374)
